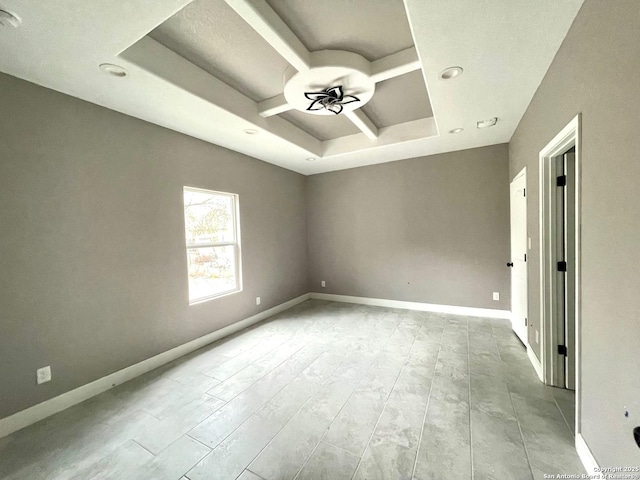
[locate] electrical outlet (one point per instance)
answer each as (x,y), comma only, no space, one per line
(496,296)
(257,300)
(322,284)
(43,375)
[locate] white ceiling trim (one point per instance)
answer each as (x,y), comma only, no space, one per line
(360,120)
(273,106)
(394,65)
(403,132)
(270,26)
(405,61)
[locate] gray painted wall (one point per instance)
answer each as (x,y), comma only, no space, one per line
(596,72)
(92,249)
(432,229)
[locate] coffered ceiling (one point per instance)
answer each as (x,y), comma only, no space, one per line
(235,72)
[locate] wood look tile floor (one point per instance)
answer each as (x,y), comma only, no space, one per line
(322,391)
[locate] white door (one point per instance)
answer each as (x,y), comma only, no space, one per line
(518,261)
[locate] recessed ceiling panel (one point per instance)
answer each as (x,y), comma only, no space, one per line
(398,100)
(212,36)
(371,28)
(322,127)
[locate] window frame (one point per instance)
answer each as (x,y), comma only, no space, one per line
(235,210)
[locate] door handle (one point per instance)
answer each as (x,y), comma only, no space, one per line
(510,264)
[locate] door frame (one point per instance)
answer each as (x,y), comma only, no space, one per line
(569,136)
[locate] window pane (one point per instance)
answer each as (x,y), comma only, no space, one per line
(208,217)
(212,270)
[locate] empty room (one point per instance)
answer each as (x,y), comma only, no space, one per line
(319,239)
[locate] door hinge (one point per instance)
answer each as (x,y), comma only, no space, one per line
(562,266)
(525,321)
(524,192)
(525,257)
(561,181)
(562,350)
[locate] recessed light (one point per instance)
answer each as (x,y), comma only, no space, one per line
(451,72)
(311,159)
(8,19)
(115,70)
(456,130)
(487,123)
(250,131)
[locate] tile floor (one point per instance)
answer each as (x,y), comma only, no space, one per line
(322,391)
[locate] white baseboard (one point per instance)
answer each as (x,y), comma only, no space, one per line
(54,405)
(536,363)
(587,458)
(423,307)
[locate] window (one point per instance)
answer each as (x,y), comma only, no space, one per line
(213,243)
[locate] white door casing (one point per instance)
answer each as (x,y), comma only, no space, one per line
(553,365)
(518,263)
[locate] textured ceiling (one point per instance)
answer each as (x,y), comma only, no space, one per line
(372,28)
(212,36)
(60,45)
(323,127)
(398,100)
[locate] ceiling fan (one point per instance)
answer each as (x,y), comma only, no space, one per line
(331,99)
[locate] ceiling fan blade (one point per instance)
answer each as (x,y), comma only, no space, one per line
(349,99)
(315,95)
(335,92)
(316,105)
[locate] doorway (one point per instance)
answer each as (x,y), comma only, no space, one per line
(564,247)
(518,263)
(560,260)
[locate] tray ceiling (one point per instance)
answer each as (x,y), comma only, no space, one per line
(214,36)
(214,69)
(398,100)
(211,35)
(322,128)
(371,28)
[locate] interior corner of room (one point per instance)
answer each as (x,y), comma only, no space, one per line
(533,226)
